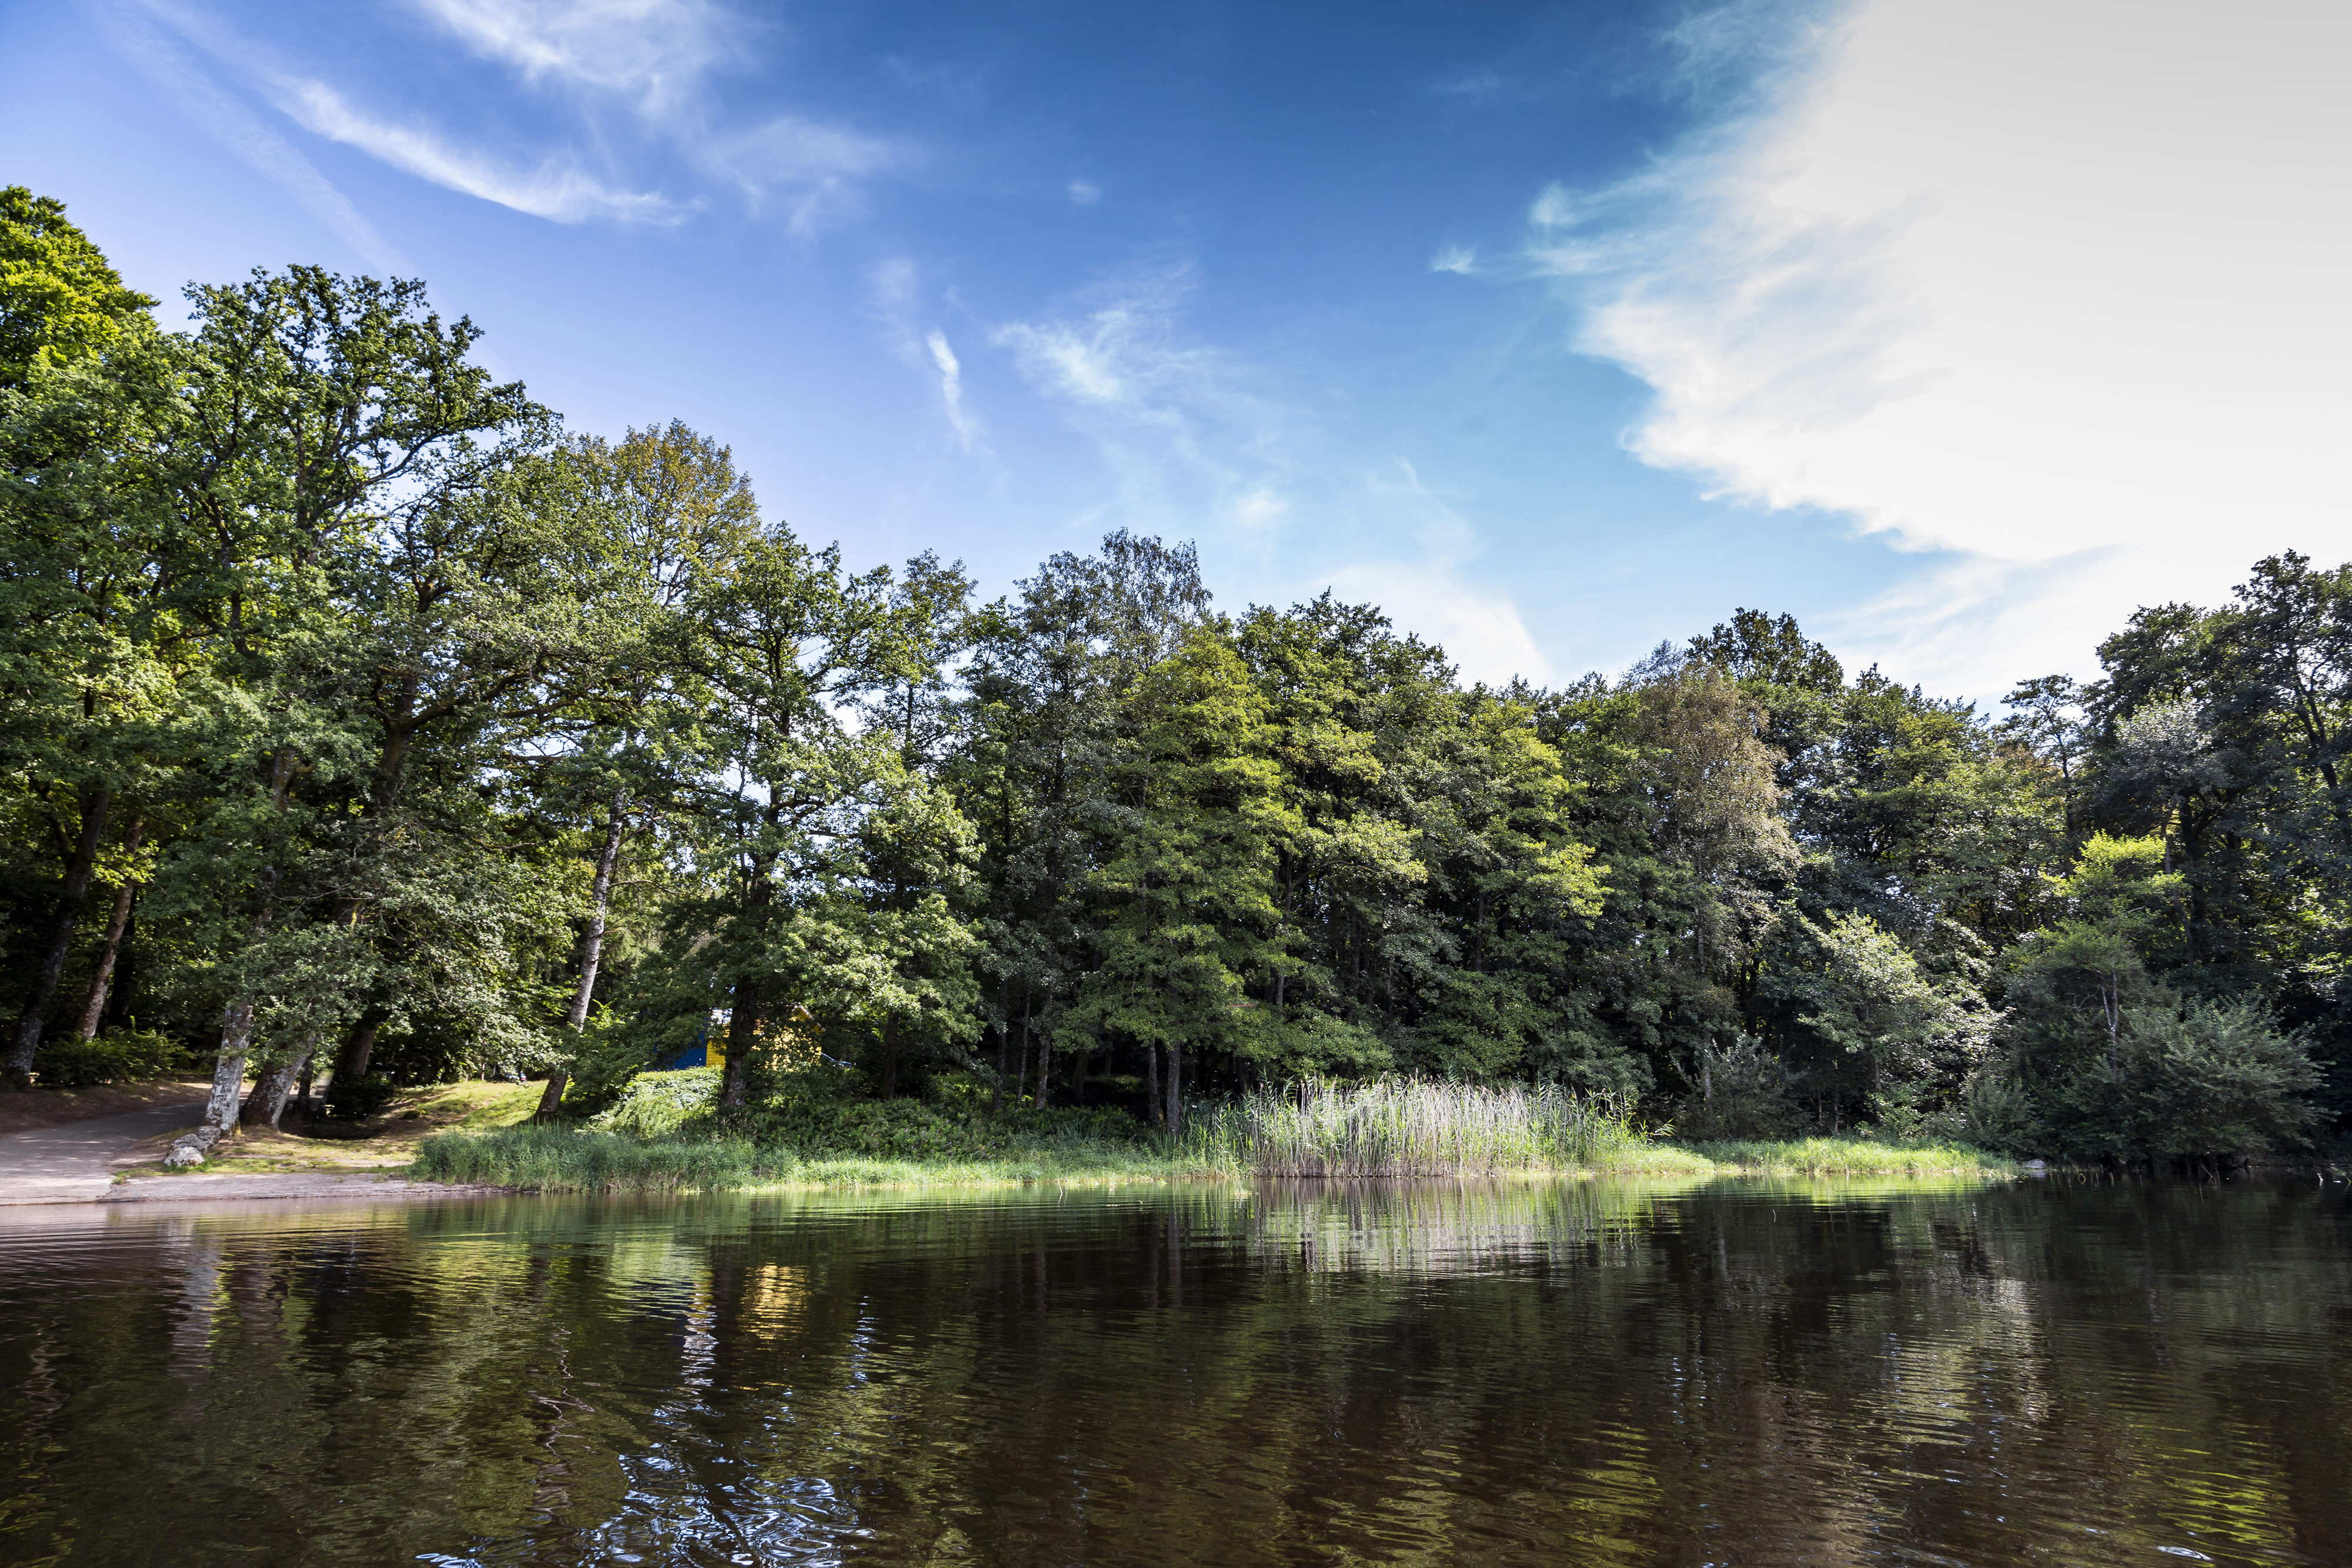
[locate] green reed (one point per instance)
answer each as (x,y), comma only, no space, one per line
(1412,1127)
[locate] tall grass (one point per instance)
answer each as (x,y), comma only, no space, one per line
(1405,1127)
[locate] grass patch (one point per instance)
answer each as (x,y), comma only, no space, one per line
(1852,1157)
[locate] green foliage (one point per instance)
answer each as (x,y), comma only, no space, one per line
(2201,1079)
(117,1056)
(59,300)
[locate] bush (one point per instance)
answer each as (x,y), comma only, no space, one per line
(118,1056)
(655,1104)
(357,1099)
(815,1125)
(1743,1093)
(2207,1078)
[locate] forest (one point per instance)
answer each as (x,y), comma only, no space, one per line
(363,724)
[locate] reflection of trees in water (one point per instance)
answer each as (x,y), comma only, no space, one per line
(1402,1371)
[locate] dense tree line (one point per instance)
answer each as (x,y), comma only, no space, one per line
(358,717)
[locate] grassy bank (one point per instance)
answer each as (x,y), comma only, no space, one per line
(1843,1157)
(592,1159)
(667,1137)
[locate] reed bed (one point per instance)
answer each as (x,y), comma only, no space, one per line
(1411,1127)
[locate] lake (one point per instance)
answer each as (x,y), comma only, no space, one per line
(2062,1371)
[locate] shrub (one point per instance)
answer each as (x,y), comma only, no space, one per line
(2206,1078)
(118,1056)
(816,1124)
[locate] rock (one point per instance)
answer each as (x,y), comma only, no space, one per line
(192,1149)
(2036,1166)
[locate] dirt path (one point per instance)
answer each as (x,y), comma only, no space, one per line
(76,1162)
(56,1107)
(72,1164)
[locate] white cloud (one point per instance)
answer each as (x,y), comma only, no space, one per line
(1125,354)
(1454,258)
(1434,595)
(2058,289)
(653,51)
(1551,208)
(1085,192)
(952,388)
(558,189)
(1481,631)
(1260,507)
(228,122)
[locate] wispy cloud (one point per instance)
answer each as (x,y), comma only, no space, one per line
(2090,343)
(226,118)
(557,189)
(820,168)
(899,301)
(1434,594)
(1454,258)
(952,388)
(1085,192)
(635,75)
(1186,431)
(1474,82)
(652,52)
(654,56)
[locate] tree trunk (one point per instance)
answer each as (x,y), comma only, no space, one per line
(890,1055)
(237,1026)
(1003,1044)
(271,1088)
(351,1061)
(94,802)
(228,1071)
(1152,1080)
(592,954)
(1021,1061)
(1045,1070)
(743,1031)
(1175,1088)
(117,920)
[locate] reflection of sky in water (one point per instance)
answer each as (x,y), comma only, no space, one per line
(1541,1371)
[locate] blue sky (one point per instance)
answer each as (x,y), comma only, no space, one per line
(1555,329)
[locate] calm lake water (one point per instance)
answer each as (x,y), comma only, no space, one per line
(1578,1372)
